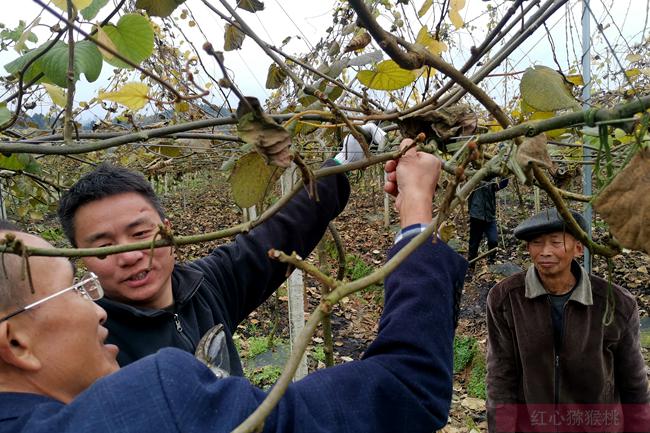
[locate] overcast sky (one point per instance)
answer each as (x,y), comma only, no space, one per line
(309,19)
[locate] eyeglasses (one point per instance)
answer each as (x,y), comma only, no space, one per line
(88,288)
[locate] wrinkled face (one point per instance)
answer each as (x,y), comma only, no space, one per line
(552,253)
(66,332)
(126,277)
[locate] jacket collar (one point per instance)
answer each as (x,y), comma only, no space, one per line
(16,404)
(581,293)
(185,282)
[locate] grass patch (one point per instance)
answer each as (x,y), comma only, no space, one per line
(318,354)
(356,267)
(263,377)
(465,349)
(256,346)
(476,385)
(53,235)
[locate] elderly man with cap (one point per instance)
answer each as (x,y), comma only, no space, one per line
(562,341)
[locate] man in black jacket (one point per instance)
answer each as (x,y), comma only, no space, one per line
(153,302)
(482,216)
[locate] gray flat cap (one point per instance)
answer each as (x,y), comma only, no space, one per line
(547,221)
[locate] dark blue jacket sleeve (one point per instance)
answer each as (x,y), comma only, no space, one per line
(241,272)
(403,383)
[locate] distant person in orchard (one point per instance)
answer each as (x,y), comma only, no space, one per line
(58,374)
(560,340)
(482,203)
(155,302)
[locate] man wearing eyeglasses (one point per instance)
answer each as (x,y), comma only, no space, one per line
(58,375)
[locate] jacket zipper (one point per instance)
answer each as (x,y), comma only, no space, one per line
(179,329)
(557,360)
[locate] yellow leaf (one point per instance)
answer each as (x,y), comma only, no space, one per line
(102,37)
(182,106)
(454,13)
(425,8)
(425,39)
(131,95)
(78,4)
(631,73)
(633,57)
(576,79)
(386,76)
(57,95)
(543,115)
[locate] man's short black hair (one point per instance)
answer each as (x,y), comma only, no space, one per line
(104,181)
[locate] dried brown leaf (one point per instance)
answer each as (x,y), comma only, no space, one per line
(625,204)
(271,140)
(533,150)
(440,124)
(358,42)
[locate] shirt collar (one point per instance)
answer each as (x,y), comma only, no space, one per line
(581,293)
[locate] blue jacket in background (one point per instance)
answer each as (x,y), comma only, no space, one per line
(402,384)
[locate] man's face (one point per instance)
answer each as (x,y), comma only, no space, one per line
(552,253)
(126,277)
(65,333)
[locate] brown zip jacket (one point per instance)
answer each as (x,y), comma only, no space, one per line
(595,363)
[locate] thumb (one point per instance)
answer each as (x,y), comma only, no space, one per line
(408,142)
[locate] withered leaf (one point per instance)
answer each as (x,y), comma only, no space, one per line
(255,127)
(275,76)
(358,42)
(440,124)
(233,38)
(625,204)
(251,179)
(533,150)
(251,5)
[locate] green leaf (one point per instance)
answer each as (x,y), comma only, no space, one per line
(159,8)
(78,4)
(543,89)
(275,77)
(28,35)
(93,9)
(34,69)
(13,162)
(233,38)
(87,60)
(251,179)
(170,151)
(251,5)
(5,114)
(15,34)
(133,38)
(386,76)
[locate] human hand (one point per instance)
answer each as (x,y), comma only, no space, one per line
(412,179)
(351,150)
